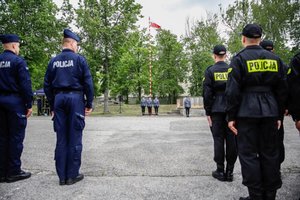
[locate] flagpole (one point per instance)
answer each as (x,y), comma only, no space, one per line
(150,61)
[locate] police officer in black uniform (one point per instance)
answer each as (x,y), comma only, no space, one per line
(255,95)
(15,108)
(294,89)
(214,85)
(269,46)
(67,81)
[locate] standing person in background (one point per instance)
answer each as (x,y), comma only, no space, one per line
(67,81)
(15,107)
(255,94)
(156,105)
(294,90)
(269,46)
(149,105)
(143,105)
(187,105)
(214,86)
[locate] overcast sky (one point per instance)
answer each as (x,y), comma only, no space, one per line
(172,14)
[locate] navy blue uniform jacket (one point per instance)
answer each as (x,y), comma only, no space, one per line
(14,77)
(68,71)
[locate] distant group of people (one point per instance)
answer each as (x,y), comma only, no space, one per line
(149,103)
(245,103)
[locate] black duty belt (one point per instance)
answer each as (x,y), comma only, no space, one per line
(68,92)
(219,92)
(258,89)
(9,93)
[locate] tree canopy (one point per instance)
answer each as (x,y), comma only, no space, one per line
(119,52)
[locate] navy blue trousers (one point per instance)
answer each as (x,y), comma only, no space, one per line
(68,125)
(13,122)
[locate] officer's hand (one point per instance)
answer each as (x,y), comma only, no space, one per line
(209,121)
(52,113)
(29,112)
(231,126)
(278,124)
(297,124)
(88,111)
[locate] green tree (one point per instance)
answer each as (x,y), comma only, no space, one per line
(131,75)
(199,43)
(279,20)
(39,29)
(104,25)
(170,68)
(276,23)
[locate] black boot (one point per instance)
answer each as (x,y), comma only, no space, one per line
(244,198)
(254,194)
(270,195)
(229,173)
(219,173)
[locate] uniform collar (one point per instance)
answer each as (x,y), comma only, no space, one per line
(220,62)
(67,50)
(9,51)
(253,47)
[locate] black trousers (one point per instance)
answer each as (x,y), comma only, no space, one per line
(187,111)
(156,110)
(259,153)
(149,110)
(224,141)
(143,109)
(280,142)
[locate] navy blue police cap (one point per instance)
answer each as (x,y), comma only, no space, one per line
(252,31)
(267,45)
(8,38)
(69,34)
(219,50)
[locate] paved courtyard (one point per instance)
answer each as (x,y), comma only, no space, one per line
(140,158)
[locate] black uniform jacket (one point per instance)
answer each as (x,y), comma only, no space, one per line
(294,87)
(214,86)
(256,86)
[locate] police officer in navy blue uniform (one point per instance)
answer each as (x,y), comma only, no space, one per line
(67,82)
(15,108)
(294,89)
(255,94)
(149,105)
(214,85)
(156,105)
(143,105)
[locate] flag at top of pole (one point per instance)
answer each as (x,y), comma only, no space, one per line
(154,25)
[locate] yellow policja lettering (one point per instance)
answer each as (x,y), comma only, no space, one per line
(262,65)
(221,76)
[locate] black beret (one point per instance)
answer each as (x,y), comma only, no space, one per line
(69,34)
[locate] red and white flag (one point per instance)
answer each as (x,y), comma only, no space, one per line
(154,25)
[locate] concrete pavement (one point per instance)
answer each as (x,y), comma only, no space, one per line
(140,158)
